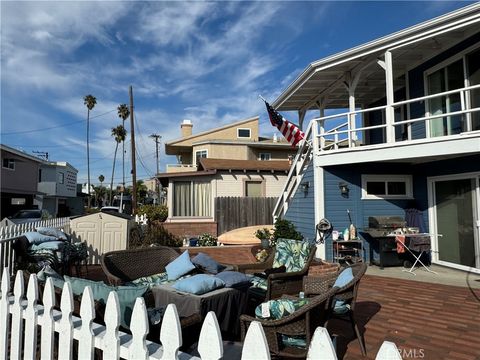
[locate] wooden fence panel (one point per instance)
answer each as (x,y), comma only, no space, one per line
(236,212)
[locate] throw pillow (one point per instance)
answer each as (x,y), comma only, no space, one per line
(180,266)
(151,280)
(50,245)
(206,263)
(344,278)
(280,308)
(291,253)
(126,295)
(47,272)
(233,278)
(52,232)
(199,284)
(37,238)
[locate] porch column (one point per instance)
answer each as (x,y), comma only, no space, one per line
(321,108)
(318,193)
(389,110)
(301,117)
(351,85)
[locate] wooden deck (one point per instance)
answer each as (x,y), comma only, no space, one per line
(424,320)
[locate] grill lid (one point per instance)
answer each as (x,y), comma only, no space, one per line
(380,226)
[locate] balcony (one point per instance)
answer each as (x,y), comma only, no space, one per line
(175,168)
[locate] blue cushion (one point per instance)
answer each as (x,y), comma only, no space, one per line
(50,245)
(233,278)
(52,232)
(126,295)
(344,278)
(205,262)
(198,284)
(34,237)
(180,266)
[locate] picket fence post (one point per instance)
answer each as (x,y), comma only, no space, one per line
(210,344)
(31,318)
(86,343)
(47,321)
(111,342)
(255,345)
(139,328)
(170,333)
(5,314)
(388,351)
(17,317)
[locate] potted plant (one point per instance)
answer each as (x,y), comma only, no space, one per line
(265,236)
(284,229)
(207,240)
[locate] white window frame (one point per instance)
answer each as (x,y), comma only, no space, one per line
(192,200)
(61,177)
(199,151)
(11,161)
(387,178)
(462,55)
(268,155)
(244,137)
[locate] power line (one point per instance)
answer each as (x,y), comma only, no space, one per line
(53,127)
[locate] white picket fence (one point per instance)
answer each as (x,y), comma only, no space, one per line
(19,339)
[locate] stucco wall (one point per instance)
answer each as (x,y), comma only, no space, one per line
(23,178)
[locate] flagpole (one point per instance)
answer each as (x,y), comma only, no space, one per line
(261,97)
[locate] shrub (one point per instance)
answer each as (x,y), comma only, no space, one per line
(154,234)
(154,212)
(284,229)
(207,240)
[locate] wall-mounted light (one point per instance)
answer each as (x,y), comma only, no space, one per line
(343,188)
(305,185)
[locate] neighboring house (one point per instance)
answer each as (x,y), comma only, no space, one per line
(19,180)
(410,134)
(57,181)
(228,161)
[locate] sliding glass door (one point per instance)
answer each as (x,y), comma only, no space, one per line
(456,218)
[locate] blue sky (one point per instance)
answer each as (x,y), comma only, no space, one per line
(203,61)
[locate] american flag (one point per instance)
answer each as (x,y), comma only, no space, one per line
(290,131)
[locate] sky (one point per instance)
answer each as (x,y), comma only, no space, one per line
(202,61)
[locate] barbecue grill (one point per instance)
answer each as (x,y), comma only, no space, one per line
(383,249)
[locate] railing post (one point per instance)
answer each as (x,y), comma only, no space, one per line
(389,110)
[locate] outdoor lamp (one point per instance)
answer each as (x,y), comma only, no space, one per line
(305,185)
(343,188)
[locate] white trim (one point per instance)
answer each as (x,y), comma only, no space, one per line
(318,195)
(244,137)
(432,220)
(407,179)
(195,155)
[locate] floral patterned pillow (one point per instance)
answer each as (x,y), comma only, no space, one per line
(280,308)
(291,253)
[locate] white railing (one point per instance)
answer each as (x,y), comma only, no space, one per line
(331,138)
(10,232)
(341,134)
(28,330)
(295,175)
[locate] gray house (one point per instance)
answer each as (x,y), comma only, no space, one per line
(19,180)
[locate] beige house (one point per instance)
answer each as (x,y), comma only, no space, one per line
(232,160)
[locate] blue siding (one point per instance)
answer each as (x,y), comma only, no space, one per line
(301,208)
(416,84)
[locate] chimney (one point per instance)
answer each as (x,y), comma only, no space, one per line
(186,128)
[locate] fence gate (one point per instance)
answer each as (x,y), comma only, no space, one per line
(236,212)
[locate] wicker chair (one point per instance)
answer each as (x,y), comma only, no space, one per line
(302,322)
(127,265)
(314,285)
(277,283)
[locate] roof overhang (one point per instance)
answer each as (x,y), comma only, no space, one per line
(324,79)
(165,177)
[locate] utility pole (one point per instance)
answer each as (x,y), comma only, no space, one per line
(134,167)
(157,138)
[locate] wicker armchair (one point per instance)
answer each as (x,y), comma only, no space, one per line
(127,265)
(314,285)
(277,283)
(302,322)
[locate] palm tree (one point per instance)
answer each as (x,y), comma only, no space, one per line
(123,113)
(101,178)
(119,133)
(89,101)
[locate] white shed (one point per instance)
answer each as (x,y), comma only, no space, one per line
(103,232)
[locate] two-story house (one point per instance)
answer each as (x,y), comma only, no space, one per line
(232,160)
(403,131)
(57,183)
(19,180)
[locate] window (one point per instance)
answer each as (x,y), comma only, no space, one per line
(264,156)
(9,164)
(61,178)
(387,187)
(243,133)
(253,188)
(39,175)
(192,199)
(18,201)
(200,154)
